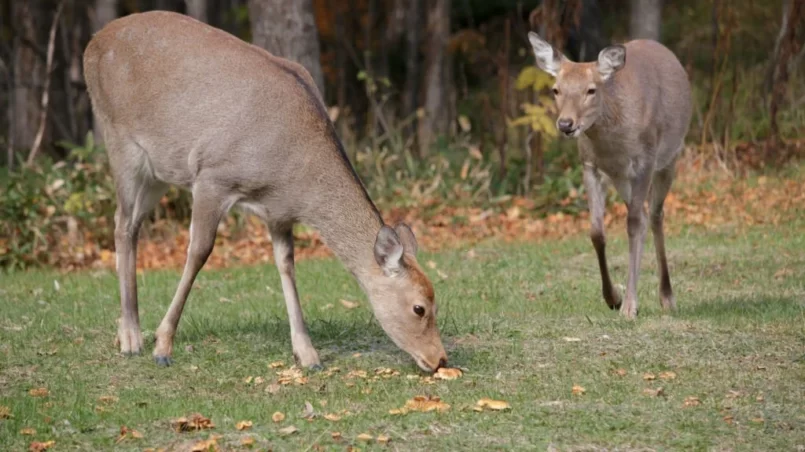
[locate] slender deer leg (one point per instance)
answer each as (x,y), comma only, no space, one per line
(636,228)
(136,198)
(659,190)
(303,351)
(208,208)
(597,204)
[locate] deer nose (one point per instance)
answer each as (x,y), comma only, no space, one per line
(565,125)
(442,363)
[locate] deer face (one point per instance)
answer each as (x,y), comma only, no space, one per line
(403,298)
(578,86)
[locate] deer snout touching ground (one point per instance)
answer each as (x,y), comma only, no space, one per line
(185,104)
(630,111)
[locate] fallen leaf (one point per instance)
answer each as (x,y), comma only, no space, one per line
(349,304)
(38,392)
(365,437)
(126,432)
(209,444)
(620,372)
(649,377)
(278,416)
(5,412)
(758,420)
(248,379)
(728,419)
(332,417)
(759,398)
(259,381)
(571,339)
(441,274)
(247,441)
(432,264)
(276,365)
(194,422)
(734,394)
(309,413)
(273,388)
(336,435)
(383,439)
(496,405)
(578,390)
(356,355)
(445,373)
(667,375)
(422,404)
(36,446)
(289,430)
(244,425)
(658,392)
(28,431)
(692,401)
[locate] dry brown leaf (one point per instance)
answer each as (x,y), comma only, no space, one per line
(667,375)
(5,412)
(273,388)
(108,399)
(422,404)
(577,390)
(383,439)
(248,379)
(126,432)
(356,374)
(37,446)
(244,425)
(207,445)
(336,435)
(365,437)
(496,405)
(28,431)
(194,422)
(349,304)
(259,381)
(278,416)
(728,419)
(692,401)
(289,430)
(445,373)
(758,420)
(620,372)
(332,417)
(398,411)
(759,398)
(247,441)
(309,412)
(38,392)
(658,392)
(276,365)
(649,376)
(432,265)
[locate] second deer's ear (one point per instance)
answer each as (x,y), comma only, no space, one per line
(548,58)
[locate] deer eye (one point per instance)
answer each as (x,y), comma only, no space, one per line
(419,310)
(591,91)
(555,91)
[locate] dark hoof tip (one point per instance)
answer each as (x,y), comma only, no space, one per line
(162,361)
(316,368)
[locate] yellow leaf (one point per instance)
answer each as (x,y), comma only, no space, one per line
(289,430)
(244,425)
(526,78)
(445,373)
(692,401)
(278,417)
(578,390)
(332,417)
(5,412)
(425,404)
(668,375)
(28,431)
(496,405)
(649,376)
(38,392)
(336,435)
(654,392)
(36,446)
(383,439)
(247,441)
(365,437)
(350,304)
(276,364)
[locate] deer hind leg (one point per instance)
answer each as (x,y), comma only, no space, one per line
(303,351)
(137,194)
(597,204)
(210,204)
(659,190)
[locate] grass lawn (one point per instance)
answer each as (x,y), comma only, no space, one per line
(526,321)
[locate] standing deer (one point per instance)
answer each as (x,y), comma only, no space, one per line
(185,104)
(630,112)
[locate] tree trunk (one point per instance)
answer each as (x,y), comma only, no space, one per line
(412,41)
(437,108)
(645,19)
(104,12)
(28,70)
(197,9)
(287,28)
(786,48)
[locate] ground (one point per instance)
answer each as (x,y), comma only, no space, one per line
(525,321)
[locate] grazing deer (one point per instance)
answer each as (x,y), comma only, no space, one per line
(630,112)
(185,104)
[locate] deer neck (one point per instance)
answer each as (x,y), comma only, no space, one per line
(611,112)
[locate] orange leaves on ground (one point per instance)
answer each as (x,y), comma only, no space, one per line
(292,375)
(193,422)
(490,404)
(691,401)
(276,365)
(365,437)
(667,375)
(127,433)
(332,417)
(423,404)
(244,425)
(620,372)
(37,446)
(107,399)
(654,392)
(247,441)
(38,392)
(207,445)
(577,390)
(278,416)
(28,431)
(649,376)
(445,373)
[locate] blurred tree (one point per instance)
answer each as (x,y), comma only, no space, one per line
(287,28)
(413,39)
(645,21)
(436,120)
(197,9)
(101,14)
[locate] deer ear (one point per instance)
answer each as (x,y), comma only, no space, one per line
(389,251)
(611,60)
(548,58)
(407,238)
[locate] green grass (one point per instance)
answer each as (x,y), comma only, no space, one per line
(505,316)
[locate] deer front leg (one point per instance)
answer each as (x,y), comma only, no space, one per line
(303,351)
(597,203)
(636,229)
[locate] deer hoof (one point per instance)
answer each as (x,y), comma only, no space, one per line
(163,361)
(316,368)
